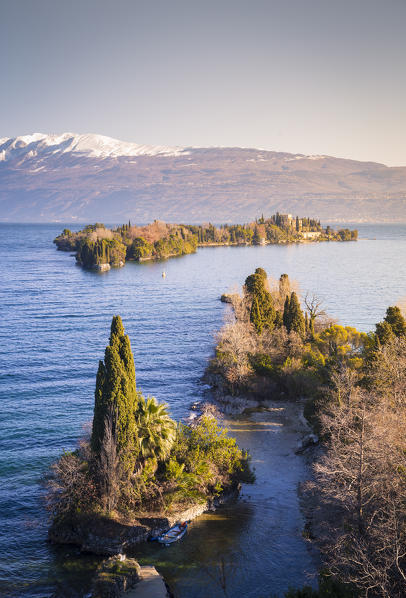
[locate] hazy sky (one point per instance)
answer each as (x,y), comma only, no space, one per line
(310,76)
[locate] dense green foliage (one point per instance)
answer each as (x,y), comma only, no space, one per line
(116,397)
(96,245)
(279,228)
(262,312)
(156,430)
(274,347)
(138,459)
(101,251)
(293,318)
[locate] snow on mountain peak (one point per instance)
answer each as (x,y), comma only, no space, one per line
(89,145)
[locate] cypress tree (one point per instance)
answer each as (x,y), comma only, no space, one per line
(297,321)
(278,319)
(261,273)
(255,315)
(262,314)
(267,310)
(396,321)
(116,396)
(384,332)
(286,314)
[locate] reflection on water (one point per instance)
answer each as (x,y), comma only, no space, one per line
(258,537)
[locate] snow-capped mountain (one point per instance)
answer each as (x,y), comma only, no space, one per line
(92,177)
(90,146)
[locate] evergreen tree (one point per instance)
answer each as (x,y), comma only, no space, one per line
(261,273)
(256,239)
(278,319)
(293,318)
(286,314)
(253,283)
(267,310)
(297,321)
(262,314)
(396,321)
(256,316)
(384,332)
(116,397)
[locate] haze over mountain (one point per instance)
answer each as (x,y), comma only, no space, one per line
(84,178)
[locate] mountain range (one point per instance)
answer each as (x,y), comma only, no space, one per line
(84,178)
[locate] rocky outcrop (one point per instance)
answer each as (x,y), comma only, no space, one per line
(226,298)
(105,536)
(102,267)
(309,440)
(115,576)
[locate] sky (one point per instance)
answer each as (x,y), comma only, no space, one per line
(306,76)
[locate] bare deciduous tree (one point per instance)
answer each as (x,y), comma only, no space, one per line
(388,374)
(314,306)
(70,487)
(361,478)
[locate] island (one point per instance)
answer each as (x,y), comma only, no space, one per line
(353,386)
(100,248)
(139,471)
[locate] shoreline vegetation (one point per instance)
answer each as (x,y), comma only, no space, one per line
(139,471)
(100,248)
(354,385)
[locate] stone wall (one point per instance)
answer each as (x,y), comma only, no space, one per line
(105,536)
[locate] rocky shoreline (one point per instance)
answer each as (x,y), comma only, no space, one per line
(105,536)
(118,576)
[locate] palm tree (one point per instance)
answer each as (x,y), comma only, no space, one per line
(155,429)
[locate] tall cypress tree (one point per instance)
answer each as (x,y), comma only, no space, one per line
(262,313)
(116,396)
(297,321)
(286,314)
(255,315)
(267,310)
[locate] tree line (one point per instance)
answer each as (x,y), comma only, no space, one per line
(355,384)
(95,244)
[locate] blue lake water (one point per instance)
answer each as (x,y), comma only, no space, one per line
(53,330)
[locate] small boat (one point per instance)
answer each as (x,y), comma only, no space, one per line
(164,274)
(175,533)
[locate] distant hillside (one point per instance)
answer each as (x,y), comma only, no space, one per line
(82,178)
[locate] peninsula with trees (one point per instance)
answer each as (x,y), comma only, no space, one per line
(354,384)
(139,470)
(98,247)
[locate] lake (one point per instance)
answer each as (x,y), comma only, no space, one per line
(54,329)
